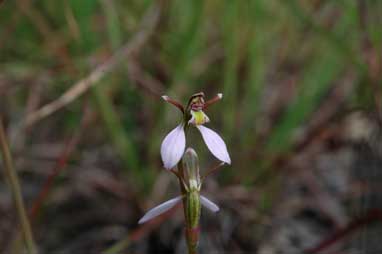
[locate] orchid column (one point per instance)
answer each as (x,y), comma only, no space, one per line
(173,150)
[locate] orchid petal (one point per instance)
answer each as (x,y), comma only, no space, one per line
(217,98)
(160,209)
(173,102)
(215,144)
(209,204)
(173,146)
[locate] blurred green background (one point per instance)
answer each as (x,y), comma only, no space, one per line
(288,69)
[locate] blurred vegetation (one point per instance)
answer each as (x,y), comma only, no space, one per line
(276,62)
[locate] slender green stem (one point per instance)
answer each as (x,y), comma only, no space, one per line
(191,232)
(13,180)
(190,240)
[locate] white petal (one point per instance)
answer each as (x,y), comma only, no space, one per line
(215,144)
(209,204)
(173,146)
(158,210)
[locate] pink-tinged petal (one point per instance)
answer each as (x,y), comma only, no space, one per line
(209,204)
(215,144)
(173,146)
(158,210)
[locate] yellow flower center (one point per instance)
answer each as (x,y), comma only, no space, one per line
(199,117)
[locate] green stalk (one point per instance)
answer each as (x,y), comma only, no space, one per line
(13,181)
(192,228)
(191,200)
(191,235)
(192,216)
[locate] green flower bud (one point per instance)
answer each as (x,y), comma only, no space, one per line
(191,170)
(192,182)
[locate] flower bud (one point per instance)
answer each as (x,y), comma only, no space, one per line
(192,180)
(191,169)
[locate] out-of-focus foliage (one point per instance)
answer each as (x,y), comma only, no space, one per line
(277,62)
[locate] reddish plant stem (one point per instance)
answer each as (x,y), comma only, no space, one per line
(60,164)
(192,236)
(371,216)
(58,168)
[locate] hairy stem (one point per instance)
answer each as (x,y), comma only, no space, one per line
(13,181)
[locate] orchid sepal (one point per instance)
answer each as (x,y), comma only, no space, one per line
(173,147)
(160,209)
(215,144)
(209,204)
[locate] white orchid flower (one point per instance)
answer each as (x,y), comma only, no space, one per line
(174,143)
(191,197)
